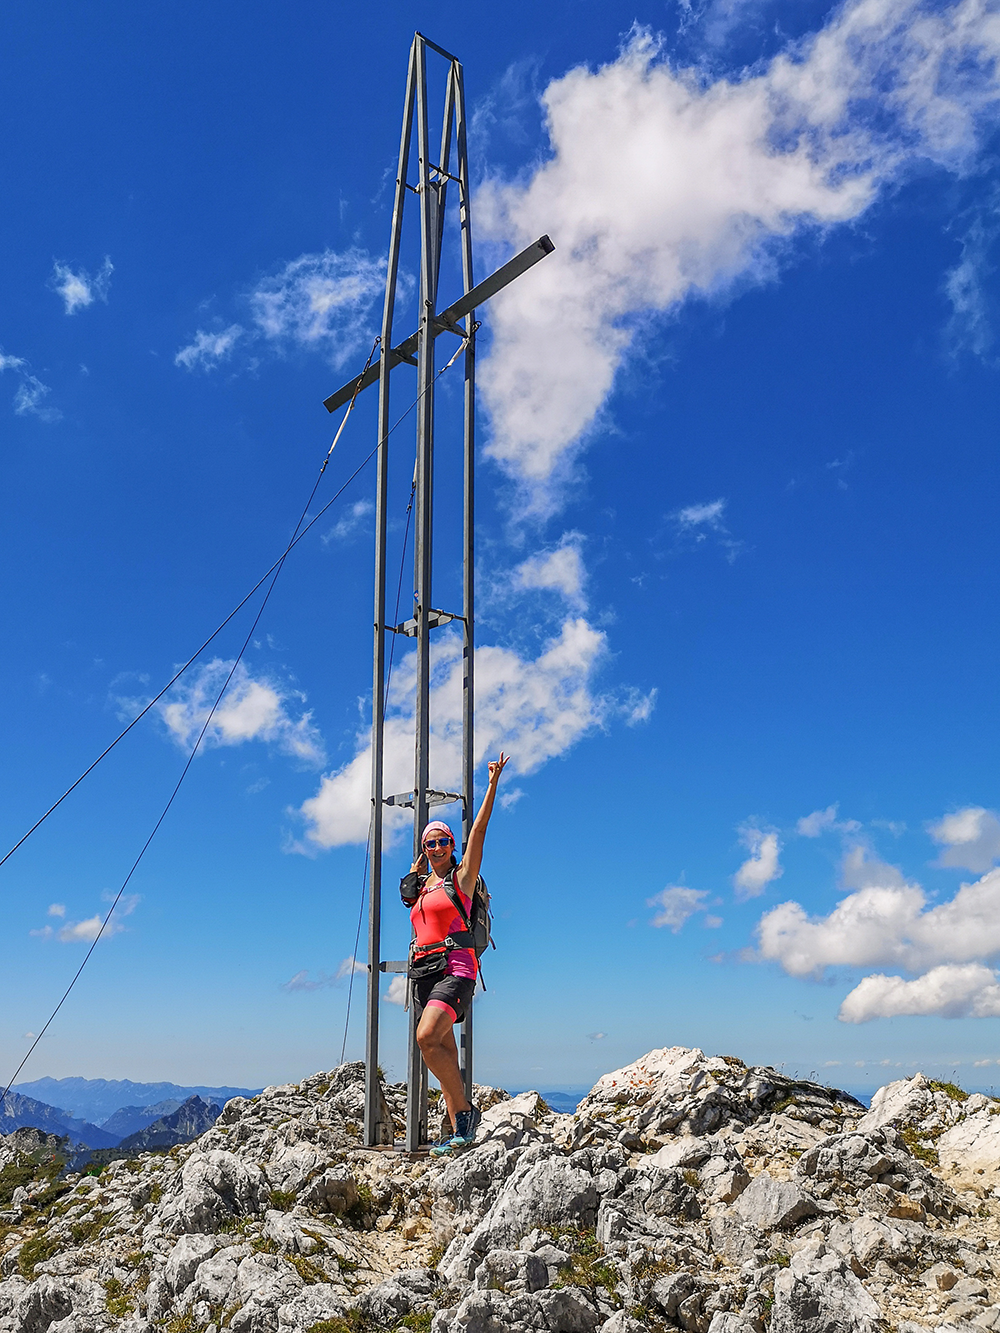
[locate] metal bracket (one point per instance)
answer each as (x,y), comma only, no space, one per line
(392,967)
(406,798)
(434,619)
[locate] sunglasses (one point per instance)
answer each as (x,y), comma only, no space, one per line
(431,843)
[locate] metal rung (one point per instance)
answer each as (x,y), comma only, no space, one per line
(434,619)
(392,967)
(433,798)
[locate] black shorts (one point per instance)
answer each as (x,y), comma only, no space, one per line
(451,993)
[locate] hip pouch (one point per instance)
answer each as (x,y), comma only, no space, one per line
(427,960)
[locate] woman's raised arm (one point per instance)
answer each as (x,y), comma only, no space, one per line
(472,857)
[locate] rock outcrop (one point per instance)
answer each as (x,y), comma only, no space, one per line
(687,1192)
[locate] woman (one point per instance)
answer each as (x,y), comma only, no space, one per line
(444,998)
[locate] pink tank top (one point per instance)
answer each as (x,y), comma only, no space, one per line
(434,916)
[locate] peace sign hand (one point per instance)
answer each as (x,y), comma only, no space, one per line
(496,767)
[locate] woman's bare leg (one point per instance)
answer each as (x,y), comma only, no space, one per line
(437,1045)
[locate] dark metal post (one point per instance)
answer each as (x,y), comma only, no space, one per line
(469,553)
(416,1119)
(375,1131)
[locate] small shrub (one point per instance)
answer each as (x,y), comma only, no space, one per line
(308,1271)
(951,1090)
(359,1212)
(782,1260)
(89,1228)
(436,1255)
(419,1320)
(917,1149)
(692,1178)
(117,1301)
(40,1247)
(282,1199)
(183,1323)
(156,1192)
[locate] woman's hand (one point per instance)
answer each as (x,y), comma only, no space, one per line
(419,865)
(496,767)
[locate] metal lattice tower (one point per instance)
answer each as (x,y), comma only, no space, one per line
(430,190)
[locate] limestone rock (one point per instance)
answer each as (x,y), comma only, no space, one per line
(818,1293)
(767,1203)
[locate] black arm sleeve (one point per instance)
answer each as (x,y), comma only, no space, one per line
(409,888)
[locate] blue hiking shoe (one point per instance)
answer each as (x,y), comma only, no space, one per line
(466,1124)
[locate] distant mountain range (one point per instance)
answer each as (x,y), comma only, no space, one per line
(98,1099)
(17,1111)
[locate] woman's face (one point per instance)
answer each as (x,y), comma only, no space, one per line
(438,855)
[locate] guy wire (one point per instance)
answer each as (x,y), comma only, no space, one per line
(239,606)
(276,569)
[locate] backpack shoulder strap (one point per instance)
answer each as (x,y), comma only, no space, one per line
(456,898)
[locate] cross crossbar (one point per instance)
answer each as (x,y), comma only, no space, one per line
(447,320)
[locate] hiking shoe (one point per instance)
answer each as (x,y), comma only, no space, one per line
(466,1124)
(445,1146)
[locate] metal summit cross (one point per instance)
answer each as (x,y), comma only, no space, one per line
(418,350)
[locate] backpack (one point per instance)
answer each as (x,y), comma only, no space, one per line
(477,935)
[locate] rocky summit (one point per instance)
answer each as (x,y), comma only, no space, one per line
(687,1191)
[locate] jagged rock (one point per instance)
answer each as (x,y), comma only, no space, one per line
(335,1191)
(681,1188)
(818,1293)
(184,1259)
(213,1188)
(767,1203)
(513,1270)
(388,1301)
(311,1306)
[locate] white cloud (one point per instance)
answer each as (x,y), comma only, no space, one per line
(967,990)
(695,516)
(761,866)
(31,393)
(80,289)
(533,708)
(302,981)
(811,826)
(350,967)
(321,301)
(396,994)
(75,932)
(638,707)
(971,836)
(57,909)
(208,349)
(250,710)
(675,904)
(947,945)
(970,327)
(561,570)
(349,524)
(661,184)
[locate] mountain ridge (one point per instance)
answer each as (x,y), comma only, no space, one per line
(97,1099)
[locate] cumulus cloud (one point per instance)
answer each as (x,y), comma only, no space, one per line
(206,350)
(675,904)
(29,399)
(561,570)
(968,990)
(78,288)
(661,184)
(251,709)
(85,932)
(819,822)
(971,838)
(396,993)
(761,866)
(536,708)
(701,515)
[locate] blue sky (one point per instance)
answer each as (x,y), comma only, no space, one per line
(737,554)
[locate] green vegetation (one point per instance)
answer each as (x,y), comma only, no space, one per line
(420,1321)
(782,1260)
(306,1269)
(156,1192)
(282,1199)
(588,1267)
(89,1228)
(653,1266)
(40,1247)
(436,1255)
(116,1299)
(951,1090)
(353,1322)
(917,1149)
(692,1178)
(359,1213)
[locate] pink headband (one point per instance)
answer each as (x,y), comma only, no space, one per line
(436,826)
